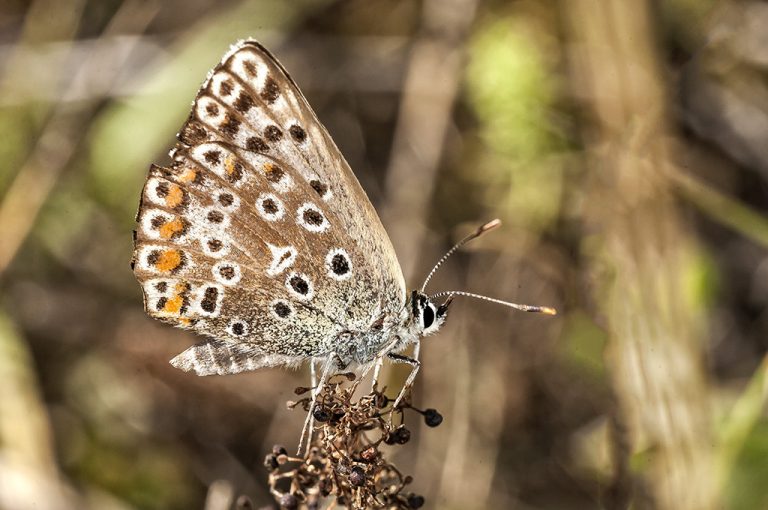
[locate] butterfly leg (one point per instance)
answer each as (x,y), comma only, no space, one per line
(376,372)
(313,374)
(415,365)
(309,422)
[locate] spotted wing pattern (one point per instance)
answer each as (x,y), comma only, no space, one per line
(258,235)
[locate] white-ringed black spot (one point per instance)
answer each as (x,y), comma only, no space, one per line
(209,301)
(157,221)
(298,133)
(214,247)
(226,199)
(272,133)
(311,218)
(162,189)
(153,257)
(226,272)
(244,102)
(256,144)
(215,216)
(213,157)
(212,109)
(299,285)
(274,173)
(238,328)
(270,207)
(320,188)
(281,309)
(338,264)
(271,91)
(250,67)
(225,88)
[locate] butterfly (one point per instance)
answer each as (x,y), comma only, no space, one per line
(259,237)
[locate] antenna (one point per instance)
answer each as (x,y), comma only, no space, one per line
(486,227)
(525,308)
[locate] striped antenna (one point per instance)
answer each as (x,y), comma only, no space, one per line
(486,227)
(525,308)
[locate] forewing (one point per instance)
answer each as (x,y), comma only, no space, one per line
(259,233)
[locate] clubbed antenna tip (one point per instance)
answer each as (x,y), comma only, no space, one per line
(489,226)
(547,310)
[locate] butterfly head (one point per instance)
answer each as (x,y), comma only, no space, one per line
(427,316)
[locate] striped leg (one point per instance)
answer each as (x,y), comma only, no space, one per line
(309,422)
(415,365)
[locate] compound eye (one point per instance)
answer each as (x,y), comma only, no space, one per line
(428,316)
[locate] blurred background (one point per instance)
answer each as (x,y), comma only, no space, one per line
(623,144)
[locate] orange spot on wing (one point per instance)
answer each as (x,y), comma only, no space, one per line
(175,196)
(171,228)
(168,260)
(229,165)
(173,305)
(188,175)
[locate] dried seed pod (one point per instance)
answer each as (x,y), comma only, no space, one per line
(357,476)
(270,462)
(289,502)
(344,461)
(369,454)
(432,418)
(402,435)
(321,415)
(415,501)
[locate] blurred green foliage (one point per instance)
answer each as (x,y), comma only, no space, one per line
(513,90)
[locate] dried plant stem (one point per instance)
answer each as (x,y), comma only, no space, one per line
(655,359)
(722,208)
(429,93)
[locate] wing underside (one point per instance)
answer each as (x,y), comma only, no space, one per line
(258,235)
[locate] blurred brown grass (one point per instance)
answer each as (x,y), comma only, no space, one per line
(622,144)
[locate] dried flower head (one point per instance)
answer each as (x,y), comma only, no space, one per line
(345,464)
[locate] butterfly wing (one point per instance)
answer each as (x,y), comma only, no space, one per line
(259,236)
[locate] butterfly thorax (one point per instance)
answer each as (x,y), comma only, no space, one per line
(390,333)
